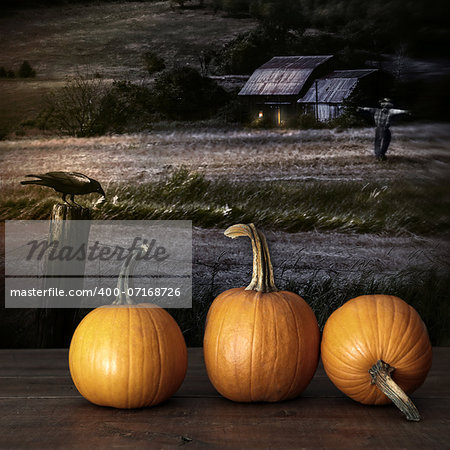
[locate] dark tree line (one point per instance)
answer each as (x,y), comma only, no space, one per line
(376,25)
(89,106)
(25,71)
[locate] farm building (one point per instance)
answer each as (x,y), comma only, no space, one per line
(287,86)
(274,88)
(325,98)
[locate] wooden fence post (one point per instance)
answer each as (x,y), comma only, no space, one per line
(56,325)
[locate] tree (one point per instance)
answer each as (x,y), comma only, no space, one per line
(183,94)
(153,63)
(247,51)
(126,106)
(235,7)
(205,58)
(278,14)
(26,71)
(76,108)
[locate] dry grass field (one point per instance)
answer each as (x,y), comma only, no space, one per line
(417,152)
(332,174)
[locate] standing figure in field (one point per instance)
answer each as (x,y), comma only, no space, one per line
(382,118)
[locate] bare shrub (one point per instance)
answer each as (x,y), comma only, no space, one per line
(76,108)
(153,63)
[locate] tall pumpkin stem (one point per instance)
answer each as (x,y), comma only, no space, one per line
(262,277)
(125,283)
(380,373)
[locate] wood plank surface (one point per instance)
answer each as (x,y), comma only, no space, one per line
(40,407)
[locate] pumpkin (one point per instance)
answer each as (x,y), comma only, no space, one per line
(260,343)
(127,355)
(376,349)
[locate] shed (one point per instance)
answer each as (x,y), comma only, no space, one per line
(326,95)
(274,88)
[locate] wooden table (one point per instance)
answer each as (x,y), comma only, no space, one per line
(40,408)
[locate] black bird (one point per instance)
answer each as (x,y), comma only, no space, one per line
(68,183)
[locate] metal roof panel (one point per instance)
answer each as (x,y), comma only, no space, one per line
(282,75)
(335,87)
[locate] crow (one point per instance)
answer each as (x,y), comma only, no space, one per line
(68,183)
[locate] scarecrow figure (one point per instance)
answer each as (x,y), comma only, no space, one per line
(382,118)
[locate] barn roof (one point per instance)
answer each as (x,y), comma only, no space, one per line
(335,87)
(282,75)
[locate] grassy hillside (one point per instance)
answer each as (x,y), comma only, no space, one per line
(110,38)
(104,38)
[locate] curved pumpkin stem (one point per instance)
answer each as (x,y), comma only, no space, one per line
(380,373)
(262,277)
(124,282)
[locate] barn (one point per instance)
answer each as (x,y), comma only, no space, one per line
(325,98)
(287,86)
(274,88)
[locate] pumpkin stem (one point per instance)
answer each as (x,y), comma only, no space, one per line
(262,277)
(124,282)
(380,373)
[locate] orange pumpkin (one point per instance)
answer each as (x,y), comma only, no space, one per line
(368,339)
(127,356)
(260,344)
